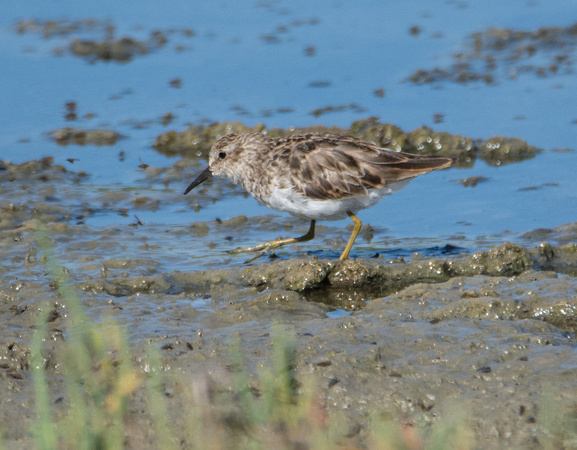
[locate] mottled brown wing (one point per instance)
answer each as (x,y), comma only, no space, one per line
(328,167)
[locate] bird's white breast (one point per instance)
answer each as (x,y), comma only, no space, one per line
(298,205)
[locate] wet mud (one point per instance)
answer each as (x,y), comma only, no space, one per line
(491,330)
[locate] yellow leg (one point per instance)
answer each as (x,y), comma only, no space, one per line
(278,243)
(357,227)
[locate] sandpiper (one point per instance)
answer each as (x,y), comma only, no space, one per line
(313,176)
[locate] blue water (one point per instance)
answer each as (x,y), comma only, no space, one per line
(230,71)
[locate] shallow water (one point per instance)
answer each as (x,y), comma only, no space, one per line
(247,69)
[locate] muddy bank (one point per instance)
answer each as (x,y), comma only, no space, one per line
(410,336)
(415,354)
(490,332)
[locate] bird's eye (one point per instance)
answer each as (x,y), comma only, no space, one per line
(222,155)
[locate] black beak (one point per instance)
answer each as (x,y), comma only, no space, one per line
(205,175)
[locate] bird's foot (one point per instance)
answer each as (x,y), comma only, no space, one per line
(273,245)
(262,248)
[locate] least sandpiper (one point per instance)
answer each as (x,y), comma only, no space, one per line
(313,176)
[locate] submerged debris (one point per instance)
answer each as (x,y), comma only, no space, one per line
(105,47)
(77,136)
(43,170)
(505,53)
(121,50)
(473,181)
